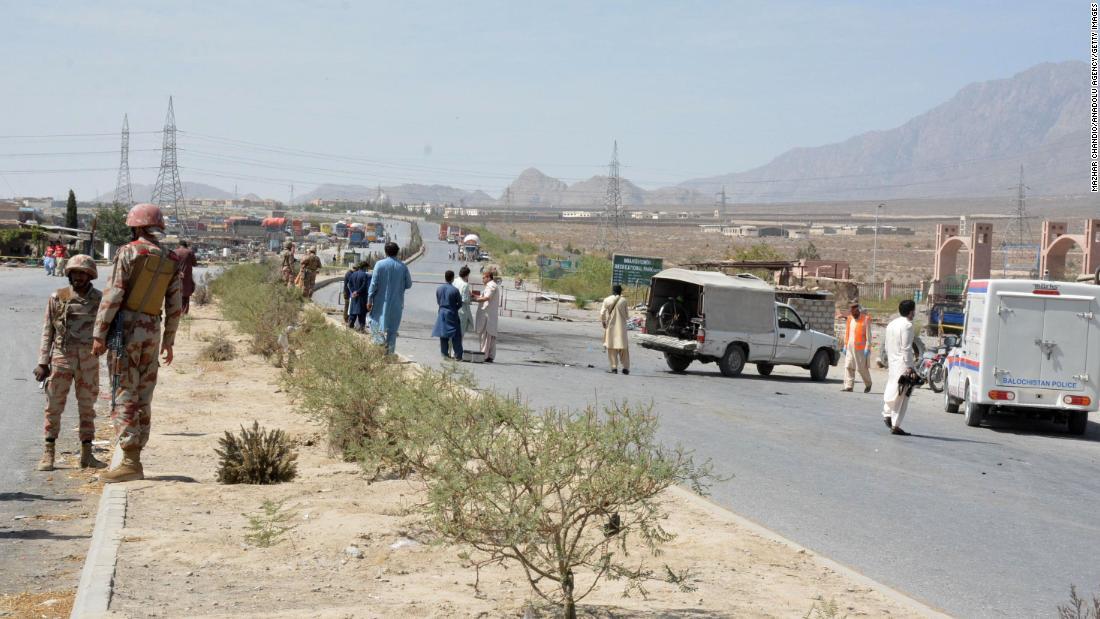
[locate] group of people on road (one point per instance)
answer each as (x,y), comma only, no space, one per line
(376,298)
(133,319)
(901,360)
(55,258)
(454,298)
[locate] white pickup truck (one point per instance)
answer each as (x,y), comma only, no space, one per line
(729,320)
(1030,347)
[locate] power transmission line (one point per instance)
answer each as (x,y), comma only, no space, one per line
(612,233)
(168,190)
(124,193)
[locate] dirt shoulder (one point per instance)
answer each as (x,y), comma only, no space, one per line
(184,552)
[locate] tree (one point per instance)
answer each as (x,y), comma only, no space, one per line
(111,225)
(758,252)
(563,494)
(70,212)
(809,252)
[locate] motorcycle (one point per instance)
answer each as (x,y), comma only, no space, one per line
(933,364)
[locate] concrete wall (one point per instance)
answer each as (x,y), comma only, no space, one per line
(817,309)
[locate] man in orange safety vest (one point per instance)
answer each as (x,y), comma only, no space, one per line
(857,348)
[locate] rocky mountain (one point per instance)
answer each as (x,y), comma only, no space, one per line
(143,193)
(533,189)
(971,145)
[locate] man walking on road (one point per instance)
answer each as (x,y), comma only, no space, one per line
(386,297)
(488,309)
(613,315)
(187,263)
(463,285)
(144,285)
(857,348)
(898,343)
(448,325)
(66,356)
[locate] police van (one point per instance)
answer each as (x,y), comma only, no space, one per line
(1030,347)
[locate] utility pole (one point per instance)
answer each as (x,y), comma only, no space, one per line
(1020,251)
(874,252)
(168,190)
(124,193)
(508,204)
(613,234)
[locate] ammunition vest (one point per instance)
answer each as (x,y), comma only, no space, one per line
(150,276)
(75,319)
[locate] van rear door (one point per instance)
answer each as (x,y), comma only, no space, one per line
(1042,341)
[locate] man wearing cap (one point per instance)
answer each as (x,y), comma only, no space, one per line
(65,358)
(143,292)
(287,264)
(857,348)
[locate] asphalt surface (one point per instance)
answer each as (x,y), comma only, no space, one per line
(995,521)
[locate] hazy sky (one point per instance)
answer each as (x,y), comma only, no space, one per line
(470,93)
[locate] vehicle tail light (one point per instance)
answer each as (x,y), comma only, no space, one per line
(701,336)
(1049,293)
(1077,400)
(999,395)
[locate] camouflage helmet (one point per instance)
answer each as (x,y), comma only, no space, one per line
(145,214)
(288,245)
(82,262)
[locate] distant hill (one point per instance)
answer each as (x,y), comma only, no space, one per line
(143,193)
(972,145)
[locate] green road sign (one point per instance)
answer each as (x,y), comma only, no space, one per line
(634,270)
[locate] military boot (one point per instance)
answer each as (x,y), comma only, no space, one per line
(46,463)
(87,459)
(129,470)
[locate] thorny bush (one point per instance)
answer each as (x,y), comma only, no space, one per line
(258,303)
(257,456)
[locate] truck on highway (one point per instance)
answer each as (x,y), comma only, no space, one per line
(1029,347)
(712,317)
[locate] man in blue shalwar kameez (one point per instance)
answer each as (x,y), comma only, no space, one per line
(386,297)
(356,285)
(448,325)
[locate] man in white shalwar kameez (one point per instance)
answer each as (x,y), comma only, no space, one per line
(898,343)
(614,315)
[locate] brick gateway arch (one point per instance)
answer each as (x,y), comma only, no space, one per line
(948,243)
(1056,244)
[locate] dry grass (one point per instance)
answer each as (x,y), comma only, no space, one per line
(48,605)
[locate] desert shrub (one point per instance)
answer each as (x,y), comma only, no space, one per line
(218,348)
(266,527)
(343,381)
(256,456)
(254,299)
(824,609)
(562,494)
(1078,607)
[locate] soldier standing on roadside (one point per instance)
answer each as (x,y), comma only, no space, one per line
(310,265)
(66,356)
(287,268)
(145,281)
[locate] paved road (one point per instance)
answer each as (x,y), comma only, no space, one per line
(981,522)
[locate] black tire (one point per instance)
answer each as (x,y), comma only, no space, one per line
(677,363)
(937,375)
(1078,422)
(819,366)
(950,404)
(733,362)
(973,412)
(764,369)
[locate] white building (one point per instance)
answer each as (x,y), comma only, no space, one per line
(577,214)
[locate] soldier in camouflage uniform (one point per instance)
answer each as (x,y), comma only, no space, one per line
(310,265)
(144,283)
(66,357)
(288,264)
